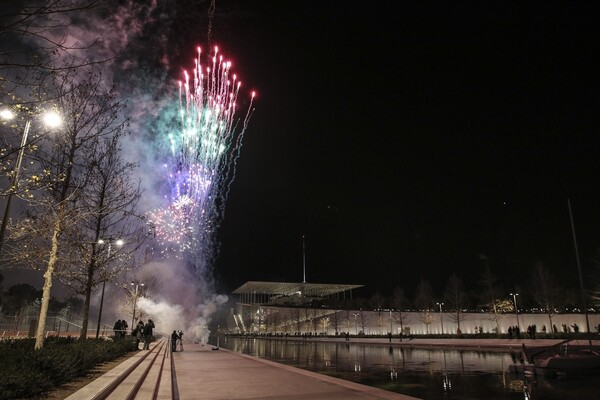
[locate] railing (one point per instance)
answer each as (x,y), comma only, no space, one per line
(56,325)
(29,322)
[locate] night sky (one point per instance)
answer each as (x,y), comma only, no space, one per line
(410,141)
(405,140)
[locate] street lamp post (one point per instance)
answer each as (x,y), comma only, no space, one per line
(514,295)
(441,320)
(119,242)
(136,284)
(51,119)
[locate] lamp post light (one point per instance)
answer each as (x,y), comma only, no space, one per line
(118,242)
(514,295)
(137,285)
(441,319)
(51,120)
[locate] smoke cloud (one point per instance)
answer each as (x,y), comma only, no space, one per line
(135,38)
(177,299)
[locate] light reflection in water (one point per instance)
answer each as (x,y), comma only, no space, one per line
(415,371)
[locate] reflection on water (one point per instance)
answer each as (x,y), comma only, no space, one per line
(423,373)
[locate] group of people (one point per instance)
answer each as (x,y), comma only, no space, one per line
(532,330)
(177,339)
(120,328)
(514,330)
(143,332)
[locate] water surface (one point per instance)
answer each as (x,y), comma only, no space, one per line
(424,373)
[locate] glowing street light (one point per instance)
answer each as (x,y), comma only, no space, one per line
(514,295)
(441,320)
(52,120)
(118,242)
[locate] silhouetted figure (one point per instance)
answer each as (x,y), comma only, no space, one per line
(138,333)
(180,340)
(148,330)
(174,339)
(117,328)
(124,327)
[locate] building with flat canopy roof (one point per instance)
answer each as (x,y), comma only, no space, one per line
(260,304)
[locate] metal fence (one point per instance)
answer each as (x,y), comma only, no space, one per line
(56,325)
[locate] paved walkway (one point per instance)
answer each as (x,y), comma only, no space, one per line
(204,373)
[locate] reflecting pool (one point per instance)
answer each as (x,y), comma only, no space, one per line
(419,372)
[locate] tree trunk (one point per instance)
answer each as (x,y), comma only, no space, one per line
(41,328)
(86,309)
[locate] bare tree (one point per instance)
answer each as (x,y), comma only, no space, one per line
(489,284)
(64,164)
(38,41)
(324,324)
(348,317)
(376,302)
(272,319)
(335,319)
(544,290)
(456,299)
(424,302)
(363,317)
(400,303)
(296,318)
(110,198)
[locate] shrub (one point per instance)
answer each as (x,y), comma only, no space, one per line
(27,373)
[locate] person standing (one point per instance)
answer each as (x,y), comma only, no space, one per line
(148,330)
(174,339)
(124,327)
(138,332)
(180,340)
(117,328)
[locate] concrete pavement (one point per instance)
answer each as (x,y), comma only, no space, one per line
(201,372)
(204,373)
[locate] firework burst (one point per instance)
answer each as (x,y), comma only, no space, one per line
(203,150)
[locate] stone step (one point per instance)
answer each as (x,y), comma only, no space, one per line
(142,376)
